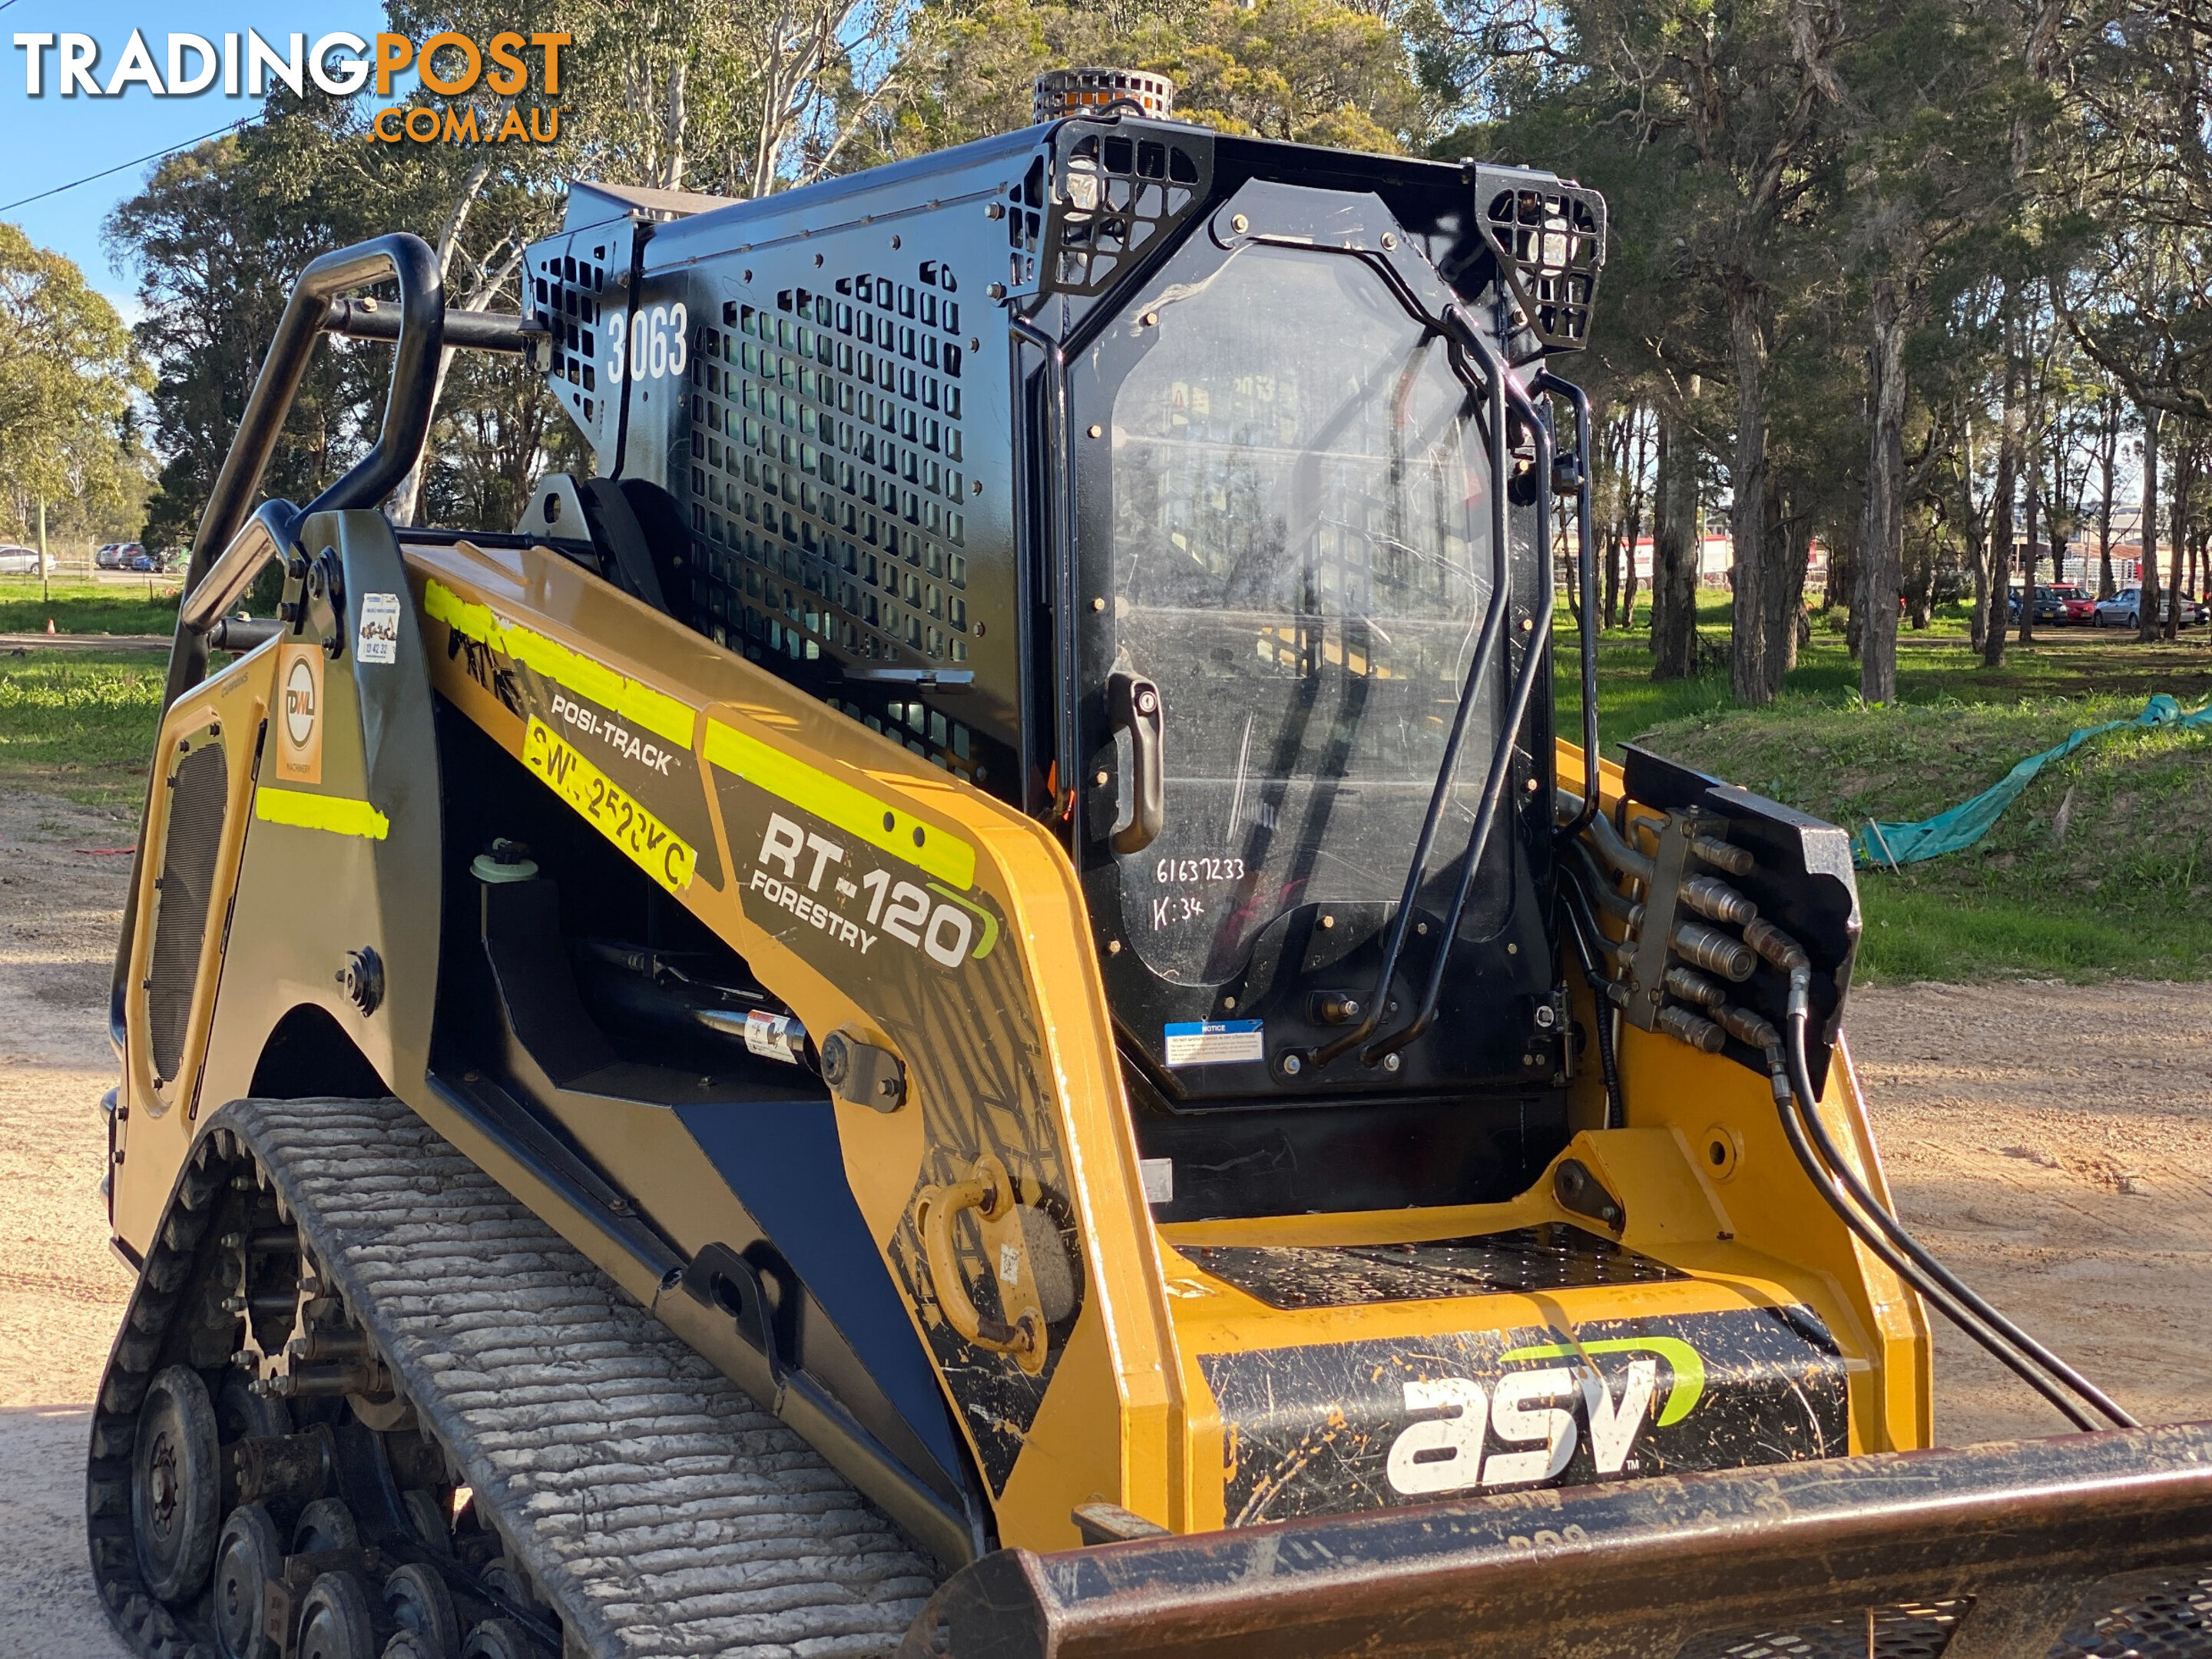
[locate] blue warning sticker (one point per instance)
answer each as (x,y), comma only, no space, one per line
(1215,1042)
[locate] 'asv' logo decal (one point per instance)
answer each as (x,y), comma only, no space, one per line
(1537,1416)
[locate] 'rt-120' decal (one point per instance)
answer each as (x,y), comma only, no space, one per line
(820,881)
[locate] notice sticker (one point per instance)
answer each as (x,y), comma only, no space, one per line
(377,638)
(1215,1042)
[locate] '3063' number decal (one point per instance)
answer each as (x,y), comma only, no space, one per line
(658,348)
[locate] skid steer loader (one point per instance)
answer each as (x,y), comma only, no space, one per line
(966,1006)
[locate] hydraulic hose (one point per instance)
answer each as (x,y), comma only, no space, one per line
(1616,1113)
(1987,1324)
(2019,1353)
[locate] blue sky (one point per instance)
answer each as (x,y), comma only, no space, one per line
(51,140)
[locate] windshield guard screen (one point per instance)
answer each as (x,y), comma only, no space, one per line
(1301,561)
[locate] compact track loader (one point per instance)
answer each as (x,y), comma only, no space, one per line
(967,1006)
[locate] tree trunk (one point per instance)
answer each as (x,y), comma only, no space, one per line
(2108,448)
(2185,481)
(1752,677)
(2146,605)
(407,499)
(2030,556)
(676,123)
(1784,588)
(2001,533)
(1794,535)
(1674,556)
(1978,566)
(1609,600)
(1880,558)
(1636,501)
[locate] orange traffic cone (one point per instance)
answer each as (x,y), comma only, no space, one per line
(49,625)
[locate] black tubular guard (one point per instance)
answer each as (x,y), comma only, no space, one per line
(2025,1533)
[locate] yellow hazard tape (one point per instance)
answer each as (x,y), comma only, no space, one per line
(609,808)
(656,711)
(854,811)
(335,813)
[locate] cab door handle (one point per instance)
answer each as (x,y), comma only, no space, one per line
(1133,703)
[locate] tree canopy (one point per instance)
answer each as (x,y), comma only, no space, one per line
(67,376)
(1921,284)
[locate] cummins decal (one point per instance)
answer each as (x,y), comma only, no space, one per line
(1363,1426)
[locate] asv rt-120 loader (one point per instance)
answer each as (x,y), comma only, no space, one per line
(965,1005)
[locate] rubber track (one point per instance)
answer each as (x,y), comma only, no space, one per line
(660,1511)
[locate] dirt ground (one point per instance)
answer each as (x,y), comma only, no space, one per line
(2054,1142)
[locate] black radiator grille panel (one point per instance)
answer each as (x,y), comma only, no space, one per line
(1549,1256)
(828,473)
(1912,1630)
(198,792)
(2143,1615)
(829,478)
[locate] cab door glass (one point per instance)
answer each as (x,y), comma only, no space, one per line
(1300,563)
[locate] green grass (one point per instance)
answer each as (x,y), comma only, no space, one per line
(88,608)
(2124,891)
(79,723)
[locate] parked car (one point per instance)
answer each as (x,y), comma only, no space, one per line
(115,555)
(2050,601)
(2081,607)
(19,561)
(2124,609)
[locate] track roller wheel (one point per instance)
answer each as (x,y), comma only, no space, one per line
(415,1599)
(324,1524)
(239,1411)
(501,1638)
(427,1516)
(510,1581)
(336,1621)
(176,1485)
(250,1555)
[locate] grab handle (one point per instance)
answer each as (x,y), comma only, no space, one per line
(1133,704)
(407,408)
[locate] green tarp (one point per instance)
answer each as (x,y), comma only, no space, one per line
(1878,846)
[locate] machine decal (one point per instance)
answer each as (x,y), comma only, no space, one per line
(839,878)
(810,876)
(854,811)
(644,839)
(376,638)
(617,751)
(642,705)
(300,722)
(334,813)
(1215,1042)
(1361,1426)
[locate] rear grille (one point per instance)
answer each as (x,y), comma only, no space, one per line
(199,793)
(1912,1630)
(2143,1615)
